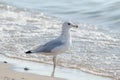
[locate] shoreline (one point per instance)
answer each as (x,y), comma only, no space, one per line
(6,73)
(88,71)
(45,70)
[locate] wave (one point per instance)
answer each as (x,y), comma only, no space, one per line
(94,49)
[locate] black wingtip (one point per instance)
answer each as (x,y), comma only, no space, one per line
(28,52)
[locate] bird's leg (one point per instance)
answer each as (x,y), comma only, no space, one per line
(54,62)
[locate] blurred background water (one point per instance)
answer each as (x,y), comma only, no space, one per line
(99,12)
(96,44)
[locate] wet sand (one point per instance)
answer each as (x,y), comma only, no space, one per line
(40,71)
(6,73)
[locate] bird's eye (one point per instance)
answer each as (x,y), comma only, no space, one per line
(69,24)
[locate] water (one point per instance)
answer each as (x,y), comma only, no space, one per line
(96,44)
(99,12)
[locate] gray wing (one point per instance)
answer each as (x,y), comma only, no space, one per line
(49,46)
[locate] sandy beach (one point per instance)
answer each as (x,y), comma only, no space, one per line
(6,73)
(14,70)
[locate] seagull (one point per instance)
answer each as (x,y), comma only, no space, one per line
(56,46)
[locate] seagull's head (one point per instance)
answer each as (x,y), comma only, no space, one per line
(69,25)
